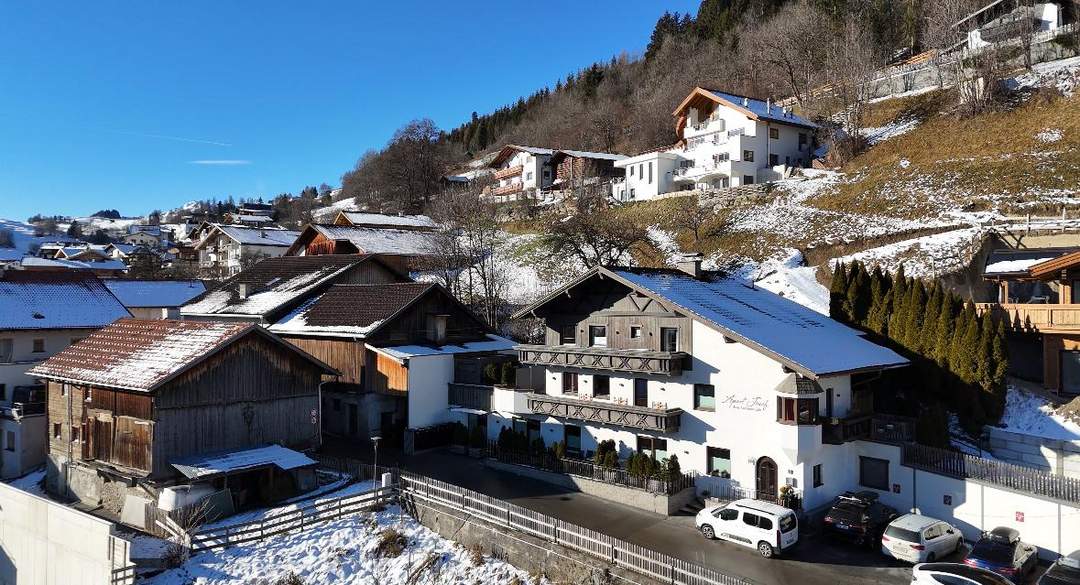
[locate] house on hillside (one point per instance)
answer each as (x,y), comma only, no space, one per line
(151,236)
(240,218)
(367,219)
(41,314)
(1038,295)
(155,299)
(521,172)
(748,389)
(225,250)
(1004,20)
(397,346)
(406,249)
(576,168)
(725,140)
(144,405)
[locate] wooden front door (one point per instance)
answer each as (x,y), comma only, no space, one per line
(766,479)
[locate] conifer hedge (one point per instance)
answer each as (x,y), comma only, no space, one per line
(959,358)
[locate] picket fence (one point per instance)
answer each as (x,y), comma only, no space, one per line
(617,552)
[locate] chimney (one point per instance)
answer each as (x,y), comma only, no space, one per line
(768,105)
(690,263)
(243,289)
(746,102)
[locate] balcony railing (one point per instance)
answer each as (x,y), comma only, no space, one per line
(877,427)
(508,172)
(663,420)
(470,396)
(506,189)
(18,410)
(601,358)
(1035,316)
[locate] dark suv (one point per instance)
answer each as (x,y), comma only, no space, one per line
(860,517)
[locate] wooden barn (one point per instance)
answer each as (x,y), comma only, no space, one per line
(133,400)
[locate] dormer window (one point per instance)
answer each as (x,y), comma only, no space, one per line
(568,334)
(598,336)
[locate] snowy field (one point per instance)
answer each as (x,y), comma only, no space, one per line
(346,551)
(1031,414)
(30,483)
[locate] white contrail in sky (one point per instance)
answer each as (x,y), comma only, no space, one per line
(168,137)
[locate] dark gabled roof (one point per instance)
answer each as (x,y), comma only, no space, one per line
(1020,263)
(141,354)
(56,300)
(352,309)
(277,285)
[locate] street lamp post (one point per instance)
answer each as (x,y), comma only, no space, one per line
(375,467)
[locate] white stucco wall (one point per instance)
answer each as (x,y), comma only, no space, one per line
(427,395)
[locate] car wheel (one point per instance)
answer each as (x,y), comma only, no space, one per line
(708,532)
(766,550)
(959,545)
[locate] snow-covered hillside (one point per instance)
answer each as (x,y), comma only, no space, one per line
(22,235)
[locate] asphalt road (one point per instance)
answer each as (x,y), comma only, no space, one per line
(814,561)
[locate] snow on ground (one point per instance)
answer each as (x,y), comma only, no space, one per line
(344,552)
(665,242)
(30,483)
(926,257)
(1063,75)
(1032,414)
(22,236)
(785,275)
(92,224)
(1049,135)
(879,134)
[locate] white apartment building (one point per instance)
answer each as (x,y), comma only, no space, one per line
(41,313)
(225,250)
(521,172)
(748,389)
(725,140)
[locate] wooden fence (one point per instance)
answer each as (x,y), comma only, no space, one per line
(596,544)
(299,519)
(1008,475)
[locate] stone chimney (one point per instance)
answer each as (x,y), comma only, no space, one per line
(690,264)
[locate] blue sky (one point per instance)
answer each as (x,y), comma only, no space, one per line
(144,104)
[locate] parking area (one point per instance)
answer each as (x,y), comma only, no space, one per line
(815,561)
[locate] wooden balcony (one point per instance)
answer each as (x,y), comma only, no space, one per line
(878,427)
(508,172)
(1051,318)
(634,361)
(506,189)
(662,420)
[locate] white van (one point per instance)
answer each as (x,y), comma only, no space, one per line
(769,528)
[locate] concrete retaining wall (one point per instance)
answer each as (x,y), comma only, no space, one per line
(658,503)
(1056,456)
(46,543)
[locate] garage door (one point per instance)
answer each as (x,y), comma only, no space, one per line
(1070,372)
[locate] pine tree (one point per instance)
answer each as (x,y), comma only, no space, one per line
(858,294)
(879,302)
(928,335)
(897,300)
(913,319)
(946,325)
(838,292)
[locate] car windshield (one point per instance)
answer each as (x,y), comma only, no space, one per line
(787,523)
(902,534)
(847,511)
(994,552)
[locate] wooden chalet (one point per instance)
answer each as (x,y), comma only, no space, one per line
(133,400)
(403,248)
(575,167)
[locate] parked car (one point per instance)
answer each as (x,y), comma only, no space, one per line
(954,574)
(1064,571)
(859,517)
(767,527)
(920,539)
(1002,552)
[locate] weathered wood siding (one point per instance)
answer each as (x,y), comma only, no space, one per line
(58,408)
(250,393)
(617,308)
(387,375)
(344,355)
(412,325)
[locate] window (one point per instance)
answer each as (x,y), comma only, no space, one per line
(750,519)
(598,335)
(653,447)
(601,387)
(547,173)
(74,434)
(748,155)
(635,332)
(802,411)
(631,170)
(748,179)
(569,383)
(528,176)
(39,345)
(56,430)
(641,392)
(764,523)
(802,140)
(568,334)
(718,461)
(669,339)
(3,391)
(774,133)
(728,514)
(774,160)
(573,439)
(650,172)
(10,444)
(817,476)
(632,191)
(874,473)
(6,351)
(641,170)
(722,157)
(63,389)
(705,397)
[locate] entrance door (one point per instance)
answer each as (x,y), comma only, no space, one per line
(1070,372)
(766,479)
(354,421)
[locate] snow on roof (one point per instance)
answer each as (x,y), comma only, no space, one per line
(371,240)
(138,354)
(364,218)
(259,236)
(796,335)
(8,254)
(59,263)
(763,109)
(252,218)
(155,293)
(596,155)
(351,310)
(200,466)
(36,300)
(1017,262)
(272,283)
(530,149)
(493,343)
